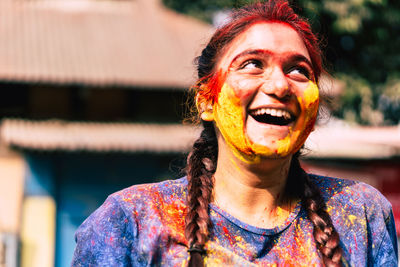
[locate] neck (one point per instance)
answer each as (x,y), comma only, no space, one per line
(253,193)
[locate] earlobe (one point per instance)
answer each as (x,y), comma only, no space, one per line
(205,108)
(207,115)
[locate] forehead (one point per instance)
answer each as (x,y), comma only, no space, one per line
(275,37)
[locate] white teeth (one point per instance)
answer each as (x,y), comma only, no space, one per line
(286,115)
(273,112)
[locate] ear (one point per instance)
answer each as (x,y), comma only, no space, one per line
(207,115)
(205,108)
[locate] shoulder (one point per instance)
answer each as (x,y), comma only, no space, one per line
(351,193)
(111,235)
(363,218)
(145,196)
(164,188)
(127,207)
(154,206)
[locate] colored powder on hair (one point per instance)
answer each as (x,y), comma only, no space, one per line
(208,93)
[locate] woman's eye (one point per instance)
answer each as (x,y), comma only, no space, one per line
(251,64)
(300,71)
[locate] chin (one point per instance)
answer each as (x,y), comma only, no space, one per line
(274,156)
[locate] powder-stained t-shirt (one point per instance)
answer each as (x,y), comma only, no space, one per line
(143,225)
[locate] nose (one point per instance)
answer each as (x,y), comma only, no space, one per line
(277,84)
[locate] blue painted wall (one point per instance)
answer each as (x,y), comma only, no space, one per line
(80,182)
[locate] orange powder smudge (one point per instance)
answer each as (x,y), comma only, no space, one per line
(172,212)
(173,216)
(303,250)
(228,235)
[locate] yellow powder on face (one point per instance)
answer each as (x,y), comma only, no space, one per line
(229,118)
(305,123)
(311,94)
(285,144)
(309,106)
(228,115)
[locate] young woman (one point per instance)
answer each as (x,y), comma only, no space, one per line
(246,201)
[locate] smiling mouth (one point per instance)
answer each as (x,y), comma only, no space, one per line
(272,116)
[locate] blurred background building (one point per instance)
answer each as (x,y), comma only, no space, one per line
(93,95)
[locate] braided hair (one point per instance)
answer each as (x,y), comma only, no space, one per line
(325,235)
(201,165)
(202,160)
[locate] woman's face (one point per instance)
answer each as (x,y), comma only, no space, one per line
(268,102)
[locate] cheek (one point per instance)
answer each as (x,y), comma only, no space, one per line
(310,98)
(244,89)
(310,106)
(308,101)
(229,109)
(229,118)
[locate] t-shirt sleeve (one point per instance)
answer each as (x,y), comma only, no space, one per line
(105,237)
(387,254)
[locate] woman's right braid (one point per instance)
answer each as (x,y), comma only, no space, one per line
(324,232)
(200,169)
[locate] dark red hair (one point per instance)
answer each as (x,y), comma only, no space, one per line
(240,20)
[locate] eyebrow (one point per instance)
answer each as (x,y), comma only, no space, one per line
(293,56)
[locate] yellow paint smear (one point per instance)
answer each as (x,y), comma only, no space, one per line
(297,136)
(229,117)
(352,218)
(311,94)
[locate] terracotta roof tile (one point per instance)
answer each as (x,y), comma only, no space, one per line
(334,140)
(53,135)
(133,43)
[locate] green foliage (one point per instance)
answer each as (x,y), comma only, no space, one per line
(389,99)
(362,40)
(357,104)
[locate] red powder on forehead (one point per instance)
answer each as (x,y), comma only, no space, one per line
(292,20)
(303,29)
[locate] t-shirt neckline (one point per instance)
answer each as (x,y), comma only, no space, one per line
(258,230)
